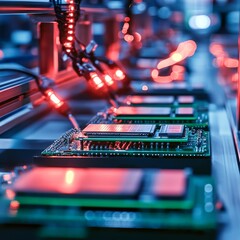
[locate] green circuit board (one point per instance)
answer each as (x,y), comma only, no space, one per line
(189,115)
(78,199)
(161,140)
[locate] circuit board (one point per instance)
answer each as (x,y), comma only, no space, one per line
(77,201)
(127,140)
(191,116)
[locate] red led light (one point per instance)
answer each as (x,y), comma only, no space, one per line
(137,37)
(54,99)
(231,63)
(108,80)
(70,38)
(119,75)
(14,205)
(96,80)
(127,19)
(128,38)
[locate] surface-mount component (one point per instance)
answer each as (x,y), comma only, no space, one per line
(185,111)
(172,130)
(119,130)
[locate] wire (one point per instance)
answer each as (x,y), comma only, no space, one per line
(25,71)
(67,14)
(58,105)
(73,121)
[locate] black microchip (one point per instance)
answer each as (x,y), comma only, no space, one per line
(172,130)
(143,111)
(119,130)
(185,112)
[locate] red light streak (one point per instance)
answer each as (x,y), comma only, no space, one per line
(184,50)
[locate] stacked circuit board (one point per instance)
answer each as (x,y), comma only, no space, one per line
(143,127)
(141,171)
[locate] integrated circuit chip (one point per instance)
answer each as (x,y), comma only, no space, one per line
(118,130)
(185,99)
(172,130)
(150,99)
(185,112)
(143,111)
(84,182)
(170,184)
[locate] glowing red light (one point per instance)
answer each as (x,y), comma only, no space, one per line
(137,37)
(119,75)
(10,194)
(160,79)
(128,38)
(144,88)
(154,73)
(234,77)
(231,63)
(177,57)
(184,50)
(69,177)
(98,83)
(108,80)
(127,19)
(70,38)
(216,49)
(125,28)
(14,205)
(178,68)
(54,99)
